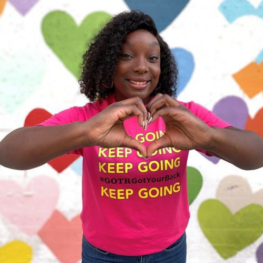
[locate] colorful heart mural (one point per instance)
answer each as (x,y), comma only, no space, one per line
(23,6)
(255,124)
(163,13)
(60,163)
(230,233)
(236,193)
(21,76)
(2,6)
(185,63)
(234,9)
(70,41)
(194,183)
(31,206)
(250,79)
(63,237)
(16,252)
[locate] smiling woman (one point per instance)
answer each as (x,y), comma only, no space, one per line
(136,138)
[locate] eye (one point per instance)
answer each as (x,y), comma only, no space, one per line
(125,55)
(153,58)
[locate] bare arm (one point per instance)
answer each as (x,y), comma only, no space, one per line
(30,147)
(241,148)
(186,132)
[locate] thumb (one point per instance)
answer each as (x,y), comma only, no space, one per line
(134,144)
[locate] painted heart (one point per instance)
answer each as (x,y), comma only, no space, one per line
(63,237)
(2,6)
(259,58)
(23,6)
(16,252)
(234,9)
(70,41)
(21,76)
(230,233)
(233,110)
(235,192)
(77,166)
(185,62)
(163,13)
(60,163)
(256,123)
(194,183)
(259,254)
(250,79)
(31,206)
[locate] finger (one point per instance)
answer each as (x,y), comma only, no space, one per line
(134,144)
(139,103)
(127,111)
(179,113)
(156,97)
(162,102)
(159,144)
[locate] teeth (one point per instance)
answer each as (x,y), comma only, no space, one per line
(138,82)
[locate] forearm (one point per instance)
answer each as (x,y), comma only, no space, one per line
(244,149)
(29,147)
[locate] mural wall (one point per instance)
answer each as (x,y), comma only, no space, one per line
(218,46)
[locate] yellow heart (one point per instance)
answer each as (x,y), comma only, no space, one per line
(16,252)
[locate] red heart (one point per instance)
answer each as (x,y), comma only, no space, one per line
(256,123)
(62,162)
(63,237)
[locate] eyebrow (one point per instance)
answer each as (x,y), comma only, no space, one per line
(154,43)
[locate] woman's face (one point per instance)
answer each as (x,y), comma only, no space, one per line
(138,69)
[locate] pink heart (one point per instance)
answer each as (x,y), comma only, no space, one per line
(63,237)
(23,6)
(29,207)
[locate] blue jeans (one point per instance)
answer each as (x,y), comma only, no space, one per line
(176,253)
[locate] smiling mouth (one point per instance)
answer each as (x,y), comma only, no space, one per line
(138,84)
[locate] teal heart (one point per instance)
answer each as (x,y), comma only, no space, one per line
(21,75)
(70,41)
(194,183)
(230,233)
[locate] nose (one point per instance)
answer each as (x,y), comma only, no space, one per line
(140,65)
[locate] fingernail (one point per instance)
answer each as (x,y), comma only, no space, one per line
(149,120)
(143,124)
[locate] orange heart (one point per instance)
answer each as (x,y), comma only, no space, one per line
(250,79)
(2,5)
(256,123)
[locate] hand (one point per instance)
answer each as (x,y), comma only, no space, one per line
(184,130)
(106,128)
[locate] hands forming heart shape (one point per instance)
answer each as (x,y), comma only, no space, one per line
(183,129)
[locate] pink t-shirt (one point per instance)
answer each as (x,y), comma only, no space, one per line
(133,206)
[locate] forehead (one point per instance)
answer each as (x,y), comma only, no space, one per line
(141,37)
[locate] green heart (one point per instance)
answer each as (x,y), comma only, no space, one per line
(194,183)
(230,233)
(70,41)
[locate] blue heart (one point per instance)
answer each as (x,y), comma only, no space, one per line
(77,166)
(259,58)
(233,9)
(163,12)
(185,64)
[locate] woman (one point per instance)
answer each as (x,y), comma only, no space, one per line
(134,139)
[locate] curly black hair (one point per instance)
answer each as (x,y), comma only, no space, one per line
(100,60)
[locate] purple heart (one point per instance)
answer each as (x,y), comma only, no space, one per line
(259,254)
(23,6)
(233,110)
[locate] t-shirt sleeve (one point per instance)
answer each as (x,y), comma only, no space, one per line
(65,117)
(206,116)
